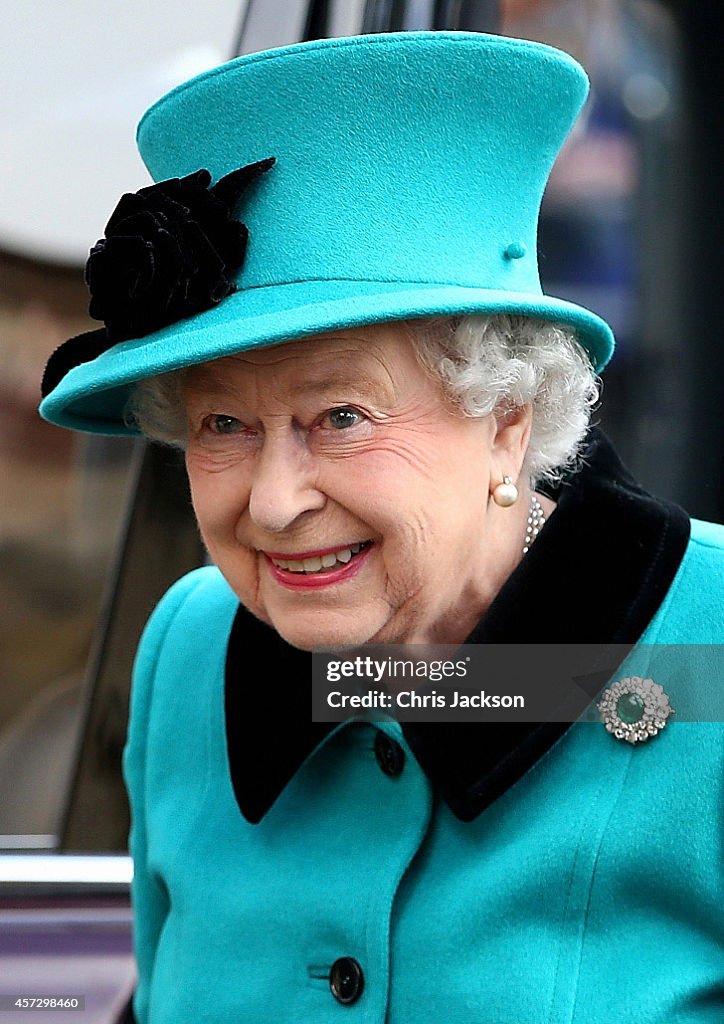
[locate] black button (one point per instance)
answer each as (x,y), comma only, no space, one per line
(390,755)
(346,980)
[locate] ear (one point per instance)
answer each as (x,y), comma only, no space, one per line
(510,442)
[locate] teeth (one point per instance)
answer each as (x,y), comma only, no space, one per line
(320,561)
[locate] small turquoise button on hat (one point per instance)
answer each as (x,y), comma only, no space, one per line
(515,251)
(403,175)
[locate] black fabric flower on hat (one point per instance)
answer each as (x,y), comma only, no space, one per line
(170,251)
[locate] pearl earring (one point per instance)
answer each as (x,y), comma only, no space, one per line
(505,494)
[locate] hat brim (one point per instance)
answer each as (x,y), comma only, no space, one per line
(93,397)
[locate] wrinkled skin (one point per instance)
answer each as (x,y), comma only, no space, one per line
(344,438)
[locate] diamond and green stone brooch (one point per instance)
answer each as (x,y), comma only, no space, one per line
(634,709)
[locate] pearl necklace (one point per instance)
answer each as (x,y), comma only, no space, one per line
(536,521)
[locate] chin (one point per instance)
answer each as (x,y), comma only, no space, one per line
(314,634)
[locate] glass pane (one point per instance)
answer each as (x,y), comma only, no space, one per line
(60,502)
(69,153)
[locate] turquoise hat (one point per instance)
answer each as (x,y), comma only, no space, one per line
(378,178)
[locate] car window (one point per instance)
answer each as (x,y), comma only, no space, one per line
(60,505)
(69,153)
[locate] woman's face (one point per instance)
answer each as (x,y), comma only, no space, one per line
(340,495)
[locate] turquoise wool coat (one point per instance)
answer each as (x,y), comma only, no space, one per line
(479,874)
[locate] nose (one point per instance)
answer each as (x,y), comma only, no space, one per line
(283,485)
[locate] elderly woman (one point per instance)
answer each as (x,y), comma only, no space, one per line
(370,395)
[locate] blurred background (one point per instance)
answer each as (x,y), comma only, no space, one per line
(631,227)
(74,80)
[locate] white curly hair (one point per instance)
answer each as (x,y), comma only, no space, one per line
(484,364)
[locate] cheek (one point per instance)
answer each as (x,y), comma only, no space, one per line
(373,492)
(429,510)
(412,491)
(393,473)
(390,495)
(219,502)
(219,499)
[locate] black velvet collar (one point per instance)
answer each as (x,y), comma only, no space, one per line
(596,574)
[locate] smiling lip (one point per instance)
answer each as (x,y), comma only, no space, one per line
(324,577)
(299,555)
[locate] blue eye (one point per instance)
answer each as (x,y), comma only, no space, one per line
(342,418)
(224,424)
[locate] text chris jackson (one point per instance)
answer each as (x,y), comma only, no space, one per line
(410,699)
